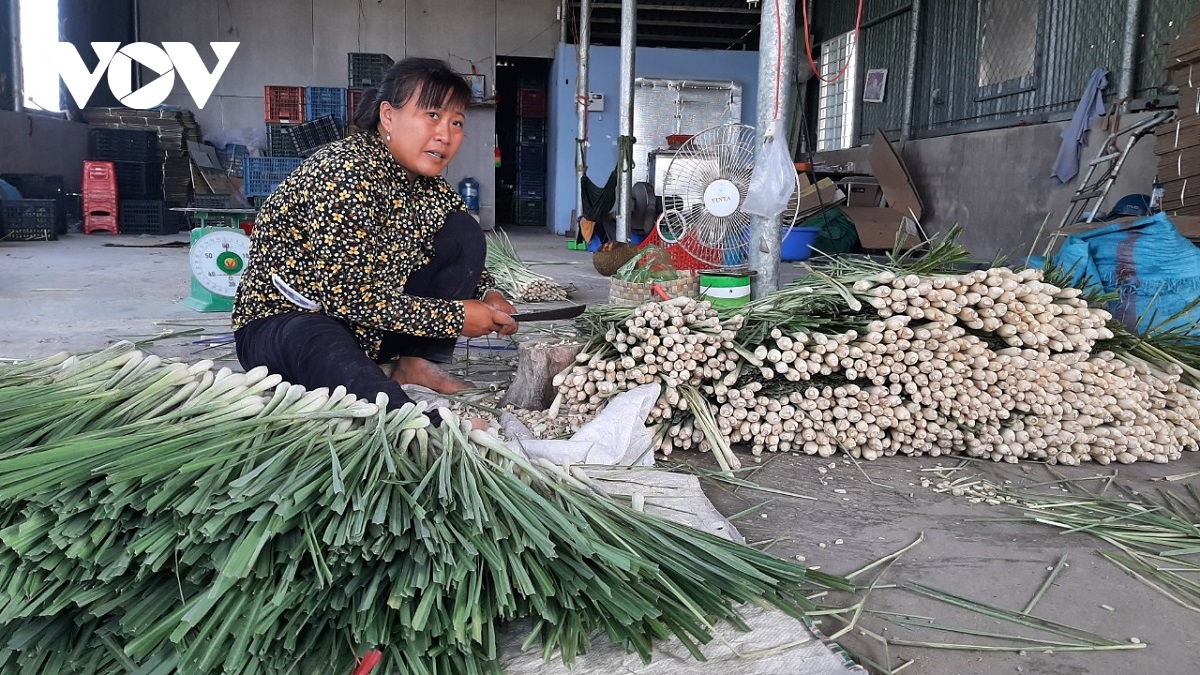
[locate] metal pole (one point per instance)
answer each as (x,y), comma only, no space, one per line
(910,77)
(582,54)
(563,8)
(1133,15)
(776,79)
(14,17)
(628,47)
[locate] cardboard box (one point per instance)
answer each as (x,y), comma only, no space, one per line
(862,193)
(815,197)
(879,227)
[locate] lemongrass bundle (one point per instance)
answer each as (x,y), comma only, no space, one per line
(514,278)
(916,356)
(169,518)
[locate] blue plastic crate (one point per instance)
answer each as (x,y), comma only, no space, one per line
(261,175)
(324,101)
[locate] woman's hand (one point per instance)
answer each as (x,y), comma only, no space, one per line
(483,319)
(497,301)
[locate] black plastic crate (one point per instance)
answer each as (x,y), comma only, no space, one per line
(146,216)
(531,185)
(367,70)
(280,142)
(531,157)
(531,212)
(307,138)
(231,157)
(139,180)
(531,130)
(30,219)
(211,201)
(123,145)
(34,185)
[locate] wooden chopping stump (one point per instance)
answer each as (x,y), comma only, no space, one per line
(538,361)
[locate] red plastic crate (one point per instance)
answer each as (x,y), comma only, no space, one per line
(100,179)
(531,103)
(283,104)
(681,259)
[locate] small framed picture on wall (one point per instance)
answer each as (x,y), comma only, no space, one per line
(875,85)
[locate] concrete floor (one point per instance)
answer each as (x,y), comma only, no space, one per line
(83,292)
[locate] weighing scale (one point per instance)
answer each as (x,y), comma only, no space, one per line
(218,255)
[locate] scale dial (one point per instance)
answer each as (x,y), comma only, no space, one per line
(218,258)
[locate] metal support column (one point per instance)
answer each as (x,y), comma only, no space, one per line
(776,76)
(17,84)
(1133,17)
(582,53)
(910,77)
(628,47)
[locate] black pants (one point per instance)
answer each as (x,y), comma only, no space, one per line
(316,350)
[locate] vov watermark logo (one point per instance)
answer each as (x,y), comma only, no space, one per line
(118,61)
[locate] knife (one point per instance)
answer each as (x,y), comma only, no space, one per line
(551,314)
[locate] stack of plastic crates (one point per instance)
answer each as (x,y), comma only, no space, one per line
(135,158)
(99,197)
(531,157)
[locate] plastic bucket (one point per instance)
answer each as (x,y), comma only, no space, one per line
(725,289)
(795,245)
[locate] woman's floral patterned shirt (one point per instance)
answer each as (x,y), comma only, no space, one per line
(345,230)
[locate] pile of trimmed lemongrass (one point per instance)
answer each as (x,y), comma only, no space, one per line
(168,518)
(913,357)
(514,278)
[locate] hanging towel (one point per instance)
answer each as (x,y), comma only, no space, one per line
(1074,137)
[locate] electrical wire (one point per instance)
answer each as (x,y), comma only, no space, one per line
(808,45)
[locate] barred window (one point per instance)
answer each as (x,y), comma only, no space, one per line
(836,107)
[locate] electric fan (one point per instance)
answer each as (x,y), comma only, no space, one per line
(703,190)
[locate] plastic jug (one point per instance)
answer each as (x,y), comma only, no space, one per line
(468,188)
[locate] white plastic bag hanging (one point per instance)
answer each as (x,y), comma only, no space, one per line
(774,178)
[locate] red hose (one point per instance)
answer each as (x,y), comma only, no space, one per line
(808,44)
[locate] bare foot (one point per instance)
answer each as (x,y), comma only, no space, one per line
(416,370)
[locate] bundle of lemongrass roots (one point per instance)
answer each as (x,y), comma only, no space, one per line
(512,276)
(166,518)
(916,355)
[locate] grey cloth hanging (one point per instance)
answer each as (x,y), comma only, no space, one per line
(1074,137)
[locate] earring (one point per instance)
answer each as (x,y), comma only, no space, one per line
(389,137)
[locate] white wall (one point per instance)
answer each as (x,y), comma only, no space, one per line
(305,42)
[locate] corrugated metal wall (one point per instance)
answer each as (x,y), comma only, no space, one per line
(1074,37)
